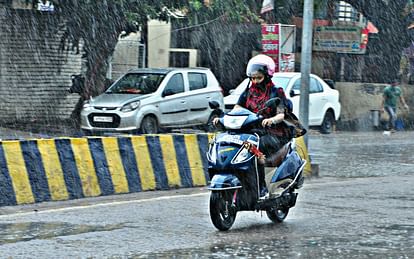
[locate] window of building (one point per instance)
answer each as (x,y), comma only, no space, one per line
(346,12)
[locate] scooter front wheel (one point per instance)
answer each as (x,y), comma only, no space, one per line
(277,215)
(222,213)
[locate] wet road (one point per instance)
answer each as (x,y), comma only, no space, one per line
(361,207)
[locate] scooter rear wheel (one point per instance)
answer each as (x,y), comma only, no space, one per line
(222,213)
(277,215)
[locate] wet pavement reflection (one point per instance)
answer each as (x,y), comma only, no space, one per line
(363,154)
(26,231)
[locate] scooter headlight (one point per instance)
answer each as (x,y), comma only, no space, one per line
(242,156)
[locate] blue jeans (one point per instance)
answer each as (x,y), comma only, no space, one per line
(392,112)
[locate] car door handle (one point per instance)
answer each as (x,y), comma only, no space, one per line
(183,101)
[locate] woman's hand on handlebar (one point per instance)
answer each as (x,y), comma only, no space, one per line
(267,122)
(215,121)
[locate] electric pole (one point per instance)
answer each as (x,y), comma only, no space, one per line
(306,64)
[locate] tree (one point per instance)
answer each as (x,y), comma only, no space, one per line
(390,17)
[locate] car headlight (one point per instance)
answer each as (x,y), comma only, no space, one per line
(86,105)
(130,106)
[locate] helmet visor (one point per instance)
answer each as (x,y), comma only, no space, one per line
(253,69)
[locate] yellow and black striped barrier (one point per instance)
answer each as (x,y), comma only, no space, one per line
(71,168)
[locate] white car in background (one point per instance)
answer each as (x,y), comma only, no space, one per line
(324,105)
(149,100)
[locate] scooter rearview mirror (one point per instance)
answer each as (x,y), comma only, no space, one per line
(214,105)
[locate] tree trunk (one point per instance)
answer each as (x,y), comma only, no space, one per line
(98,24)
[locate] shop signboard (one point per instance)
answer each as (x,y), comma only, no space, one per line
(278,42)
(270,41)
(340,39)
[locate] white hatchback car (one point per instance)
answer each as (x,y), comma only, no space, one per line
(147,100)
(324,105)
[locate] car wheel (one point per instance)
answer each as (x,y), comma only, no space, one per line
(149,125)
(328,123)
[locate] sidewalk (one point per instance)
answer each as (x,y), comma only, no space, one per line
(13,134)
(25,132)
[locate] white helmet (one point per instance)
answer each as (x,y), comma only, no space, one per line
(261,63)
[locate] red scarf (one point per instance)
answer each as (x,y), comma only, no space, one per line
(257,96)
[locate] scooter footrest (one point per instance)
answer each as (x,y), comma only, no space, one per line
(285,200)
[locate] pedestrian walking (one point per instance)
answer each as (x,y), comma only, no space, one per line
(391,95)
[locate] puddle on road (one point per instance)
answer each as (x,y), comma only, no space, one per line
(311,247)
(389,241)
(316,247)
(17,232)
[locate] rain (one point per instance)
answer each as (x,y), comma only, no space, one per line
(57,57)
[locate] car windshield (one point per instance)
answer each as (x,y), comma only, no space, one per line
(241,87)
(280,81)
(136,83)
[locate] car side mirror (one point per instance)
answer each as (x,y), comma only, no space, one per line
(214,105)
(294,92)
(231,91)
(167,92)
(330,82)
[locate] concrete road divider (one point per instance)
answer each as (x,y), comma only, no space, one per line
(71,168)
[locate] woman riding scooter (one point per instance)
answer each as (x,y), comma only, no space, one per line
(260,70)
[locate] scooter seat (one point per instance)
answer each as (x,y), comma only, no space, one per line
(276,159)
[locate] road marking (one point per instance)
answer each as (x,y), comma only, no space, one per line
(100,205)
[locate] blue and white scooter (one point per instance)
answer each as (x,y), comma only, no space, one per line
(233,158)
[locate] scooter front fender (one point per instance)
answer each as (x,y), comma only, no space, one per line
(224,182)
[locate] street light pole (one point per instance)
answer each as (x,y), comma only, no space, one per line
(306,63)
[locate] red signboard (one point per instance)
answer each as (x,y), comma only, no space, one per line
(270,42)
